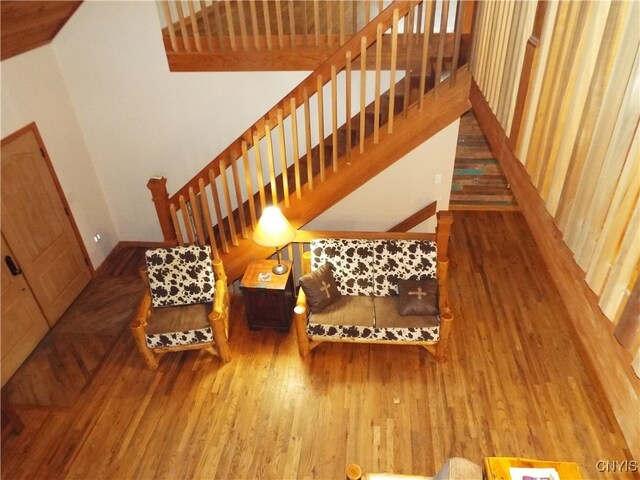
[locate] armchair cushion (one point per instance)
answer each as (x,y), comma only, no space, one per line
(320,288)
(181,325)
(350,310)
(180,276)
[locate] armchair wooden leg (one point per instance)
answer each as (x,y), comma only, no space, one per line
(219,330)
(138,326)
(300,323)
(147,354)
(446,321)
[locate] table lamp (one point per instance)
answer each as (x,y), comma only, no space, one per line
(274,230)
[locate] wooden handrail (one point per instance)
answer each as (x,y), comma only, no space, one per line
(310,83)
(416,219)
(305,236)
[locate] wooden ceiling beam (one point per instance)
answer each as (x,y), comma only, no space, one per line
(28,25)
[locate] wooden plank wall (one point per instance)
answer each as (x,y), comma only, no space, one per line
(502,30)
(579,140)
(575,116)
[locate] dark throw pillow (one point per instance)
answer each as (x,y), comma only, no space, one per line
(418,297)
(320,288)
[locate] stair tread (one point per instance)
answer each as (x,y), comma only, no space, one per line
(478,180)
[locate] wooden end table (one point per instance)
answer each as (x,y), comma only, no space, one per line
(268,298)
(497,468)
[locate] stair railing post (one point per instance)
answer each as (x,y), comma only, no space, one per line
(160,197)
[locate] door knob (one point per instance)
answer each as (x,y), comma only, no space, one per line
(13,268)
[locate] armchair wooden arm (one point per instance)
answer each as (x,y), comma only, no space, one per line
(219,318)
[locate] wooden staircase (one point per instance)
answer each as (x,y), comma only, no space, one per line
(478,180)
(279,159)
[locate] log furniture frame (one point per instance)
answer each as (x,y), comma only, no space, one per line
(218,320)
(455,468)
(306,342)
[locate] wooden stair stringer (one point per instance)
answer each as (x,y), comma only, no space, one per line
(410,131)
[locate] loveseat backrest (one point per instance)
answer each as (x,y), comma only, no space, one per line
(351,262)
(395,260)
(373,267)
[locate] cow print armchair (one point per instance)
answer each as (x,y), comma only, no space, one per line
(185,305)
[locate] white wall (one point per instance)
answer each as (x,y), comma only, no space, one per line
(33,90)
(399,191)
(113,116)
(139,119)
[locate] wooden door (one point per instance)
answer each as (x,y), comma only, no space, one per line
(23,324)
(36,226)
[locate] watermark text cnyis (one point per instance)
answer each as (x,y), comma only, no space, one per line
(617,466)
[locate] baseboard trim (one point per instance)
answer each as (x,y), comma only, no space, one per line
(609,362)
(127,244)
(486,208)
(136,244)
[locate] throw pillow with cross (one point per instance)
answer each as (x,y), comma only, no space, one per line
(320,288)
(418,297)
(418,293)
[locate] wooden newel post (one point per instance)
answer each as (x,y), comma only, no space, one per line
(443,231)
(160,197)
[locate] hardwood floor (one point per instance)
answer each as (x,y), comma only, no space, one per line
(514,385)
(70,355)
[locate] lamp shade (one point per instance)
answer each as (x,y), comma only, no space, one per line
(273,229)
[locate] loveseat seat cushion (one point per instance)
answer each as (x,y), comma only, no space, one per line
(182,325)
(401,259)
(371,318)
(347,310)
(351,261)
(387,316)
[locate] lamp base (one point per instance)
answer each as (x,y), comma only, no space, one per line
(279,269)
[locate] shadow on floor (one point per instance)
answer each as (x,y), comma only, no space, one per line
(70,355)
